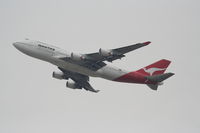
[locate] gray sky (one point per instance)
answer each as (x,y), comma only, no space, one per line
(32,101)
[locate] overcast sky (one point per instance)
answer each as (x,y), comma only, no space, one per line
(31,101)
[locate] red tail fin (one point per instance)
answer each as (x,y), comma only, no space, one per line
(156,68)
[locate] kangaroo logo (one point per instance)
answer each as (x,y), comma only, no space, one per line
(152,70)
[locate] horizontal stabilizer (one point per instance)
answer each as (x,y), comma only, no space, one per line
(160,77)
(153,87)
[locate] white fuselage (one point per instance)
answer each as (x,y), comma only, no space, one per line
(53,54)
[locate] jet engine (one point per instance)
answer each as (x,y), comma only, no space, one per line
(104,52)
(77,57)
(71,84)
(58,75)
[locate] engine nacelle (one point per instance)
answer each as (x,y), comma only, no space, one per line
(71,84)
(77,57)
(104,52)
(58,75)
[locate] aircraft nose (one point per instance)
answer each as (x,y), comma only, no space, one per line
(24,47)
(16,45)
(20,46)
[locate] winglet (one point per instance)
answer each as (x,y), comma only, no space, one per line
(146,43)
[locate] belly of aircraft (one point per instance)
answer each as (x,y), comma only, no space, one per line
(108,72)
(74,68)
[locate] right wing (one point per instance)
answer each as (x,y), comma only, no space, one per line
(82,81)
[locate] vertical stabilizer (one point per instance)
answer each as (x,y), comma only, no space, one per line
(156,68)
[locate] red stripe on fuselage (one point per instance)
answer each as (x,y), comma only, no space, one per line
(133,77)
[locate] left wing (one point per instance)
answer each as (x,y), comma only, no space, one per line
(113,54)
(81,81)
(95,61)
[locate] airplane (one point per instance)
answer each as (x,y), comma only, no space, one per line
(76,68)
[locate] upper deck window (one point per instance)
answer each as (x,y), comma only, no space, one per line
(47,47)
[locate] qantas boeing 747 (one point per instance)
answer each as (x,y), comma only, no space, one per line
(78,67)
